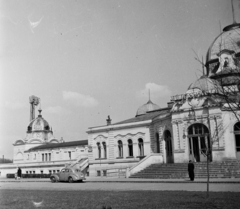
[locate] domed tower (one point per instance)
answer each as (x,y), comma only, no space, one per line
(38,133)
(39,130)
(204,84)
(149,106)
(223,56)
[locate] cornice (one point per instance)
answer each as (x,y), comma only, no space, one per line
(119,126)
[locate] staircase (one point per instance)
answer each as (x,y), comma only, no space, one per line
(225,169)
(80,163)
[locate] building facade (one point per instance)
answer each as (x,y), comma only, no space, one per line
(41,153)
(201,123)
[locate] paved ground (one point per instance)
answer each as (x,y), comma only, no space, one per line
(136,180)
(120,184)
(114,186)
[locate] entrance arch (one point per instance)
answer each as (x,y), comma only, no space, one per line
(199,142)
(237,139)
(168,146)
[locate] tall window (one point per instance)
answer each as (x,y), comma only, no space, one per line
(42,157)
(120,149)
(140,147)
(49,156)
(99,150)
(130,148)
(46,158)
(70,156)
(157,143)
(104,149)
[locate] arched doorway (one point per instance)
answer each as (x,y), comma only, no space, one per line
(168,146)
(157,143)
(199,142)
(237,139)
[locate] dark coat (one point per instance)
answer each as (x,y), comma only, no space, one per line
(19,172)
(191,171)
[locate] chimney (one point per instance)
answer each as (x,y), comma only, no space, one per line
(109,120)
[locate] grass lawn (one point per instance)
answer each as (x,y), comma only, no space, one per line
(11,199)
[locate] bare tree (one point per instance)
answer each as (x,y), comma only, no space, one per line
(214,137)
(225,75)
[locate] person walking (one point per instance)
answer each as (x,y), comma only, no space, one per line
(19,173)
(191,170)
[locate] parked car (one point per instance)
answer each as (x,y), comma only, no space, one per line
(68,174)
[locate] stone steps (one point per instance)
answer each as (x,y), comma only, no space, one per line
(225,169)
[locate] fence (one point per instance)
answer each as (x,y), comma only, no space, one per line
(40,175)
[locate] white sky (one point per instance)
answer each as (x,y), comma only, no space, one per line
(90,59)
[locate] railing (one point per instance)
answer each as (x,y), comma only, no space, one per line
(145,162)
(115,173)
(196,94)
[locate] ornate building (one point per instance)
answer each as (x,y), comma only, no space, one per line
(198,124)
(40,152)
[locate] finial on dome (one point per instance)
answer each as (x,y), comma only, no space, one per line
(39,109)
(203,66)
(234,20)
(39,112)
(149,95)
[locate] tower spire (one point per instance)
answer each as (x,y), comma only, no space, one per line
(234,21)
(203,67)
(149,94)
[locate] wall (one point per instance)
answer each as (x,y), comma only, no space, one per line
(57,161)
(229,121)
(221,130)
(111,138)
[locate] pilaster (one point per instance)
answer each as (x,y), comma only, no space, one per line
(111,154)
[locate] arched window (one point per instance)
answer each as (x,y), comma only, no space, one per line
(140,147)
(237,139)
(120,149)
(130,148)
(99,150)
(104,149)
(157,143)
(19,156)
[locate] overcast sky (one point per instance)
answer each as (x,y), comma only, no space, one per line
(90,59)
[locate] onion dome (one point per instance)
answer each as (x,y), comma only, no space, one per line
(229,42)
(38,124)
(205,84)
(149,106)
